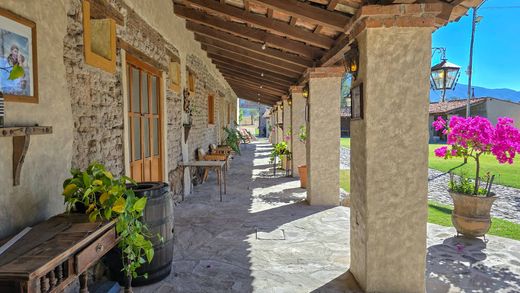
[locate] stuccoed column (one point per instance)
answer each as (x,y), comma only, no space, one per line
(287,127)
(279,120)
(297,121)
(389,160)
(323,135)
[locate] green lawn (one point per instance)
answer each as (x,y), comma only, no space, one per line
(344,179)
(345,142)
(441,214)
(505,174)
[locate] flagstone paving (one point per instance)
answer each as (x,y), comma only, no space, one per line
(264,238)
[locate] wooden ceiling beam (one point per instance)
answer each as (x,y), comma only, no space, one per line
(332,5)
(206,33)
(248,32)
(252,99)
(237,50)
(253,77)
(263,22)
(307,12)
(247,92)
(261,67)
(253,71)
(335,55)
(254,88)
(254,82)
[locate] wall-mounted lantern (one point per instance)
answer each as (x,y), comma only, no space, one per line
(351,60)
(305,92)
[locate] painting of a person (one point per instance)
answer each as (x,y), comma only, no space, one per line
(14,46)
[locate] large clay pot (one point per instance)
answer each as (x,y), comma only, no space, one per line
(302,170)
(471,215)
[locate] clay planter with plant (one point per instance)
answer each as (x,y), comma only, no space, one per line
(474,137)
(280,151)
(302,169)
(97,193)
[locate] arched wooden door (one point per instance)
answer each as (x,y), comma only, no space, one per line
(144,116)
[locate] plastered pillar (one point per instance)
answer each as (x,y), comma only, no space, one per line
(323,136)
(297,121)
(279,121)
(389,160)
(287,127)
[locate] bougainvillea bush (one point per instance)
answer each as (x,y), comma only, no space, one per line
(473,137)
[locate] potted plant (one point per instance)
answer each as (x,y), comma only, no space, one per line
(280,151)
(233,138)
(100,195)
(474,137)
(302,169)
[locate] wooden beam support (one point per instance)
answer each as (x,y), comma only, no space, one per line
(206,33)
(247,92)
(261,67)
(307,12)
(254,88)
(263,102)
(269,24)
(248,32)
(258,83)
(252,77)
(253,71)
(332,5)
(335,54)
(214,45)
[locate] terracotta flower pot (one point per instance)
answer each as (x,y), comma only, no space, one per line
(302,170)
(471,214)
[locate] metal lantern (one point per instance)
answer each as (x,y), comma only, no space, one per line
(444,76)
(351,60)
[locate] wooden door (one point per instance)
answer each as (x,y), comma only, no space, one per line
(145,133)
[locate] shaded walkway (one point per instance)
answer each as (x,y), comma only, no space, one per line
(263,238)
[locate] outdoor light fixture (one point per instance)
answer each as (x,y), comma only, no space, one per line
(351,60)
(289,101)
(264,46)
(262,74)
(444,75)
(305,92)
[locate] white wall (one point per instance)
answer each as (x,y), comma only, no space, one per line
(498,108)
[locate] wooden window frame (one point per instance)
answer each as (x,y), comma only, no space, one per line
(211,109)
(133,62)
(190,81)
(91,58)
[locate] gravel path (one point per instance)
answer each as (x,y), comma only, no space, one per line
(507,205)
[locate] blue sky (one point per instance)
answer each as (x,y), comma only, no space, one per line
(496,59)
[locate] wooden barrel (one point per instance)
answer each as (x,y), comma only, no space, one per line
(158,216)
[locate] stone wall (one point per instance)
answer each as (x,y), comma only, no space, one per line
(84,105)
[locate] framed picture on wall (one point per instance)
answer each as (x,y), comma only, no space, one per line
(356,100)
(18,58)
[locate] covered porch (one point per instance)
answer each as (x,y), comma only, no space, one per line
(264,237)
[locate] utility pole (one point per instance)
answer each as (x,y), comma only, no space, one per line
(474,22)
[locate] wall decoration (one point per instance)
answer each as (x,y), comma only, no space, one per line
(99,38)
(356,101)
(18,59)
(174,70)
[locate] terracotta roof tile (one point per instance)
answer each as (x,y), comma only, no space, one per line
(448,106)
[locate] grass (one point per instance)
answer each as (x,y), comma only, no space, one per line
(344,179)
(345,142)
(441,214)
(505,174)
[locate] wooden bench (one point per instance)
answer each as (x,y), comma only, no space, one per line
(54,253)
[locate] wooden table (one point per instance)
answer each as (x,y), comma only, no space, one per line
(54,253)
(219,166)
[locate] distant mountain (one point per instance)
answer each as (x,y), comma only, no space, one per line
(461,91)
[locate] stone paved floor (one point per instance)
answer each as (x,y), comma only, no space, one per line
(264,238)
(507,205)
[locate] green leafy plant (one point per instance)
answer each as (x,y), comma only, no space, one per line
(302,134)
(280,150)
(100,195)
(233,138)
(465,185)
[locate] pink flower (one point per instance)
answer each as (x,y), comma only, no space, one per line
(439,124)
(441,152)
